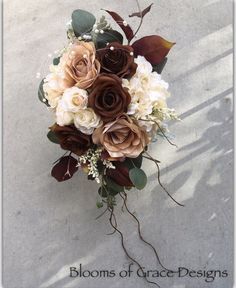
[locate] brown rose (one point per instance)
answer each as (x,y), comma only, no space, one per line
(108,98)
(117,59)
(72,139)
(79,65)
(122,137)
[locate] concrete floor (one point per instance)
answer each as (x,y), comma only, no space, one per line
(49,227)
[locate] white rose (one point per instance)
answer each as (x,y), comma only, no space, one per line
(74,99)
(63,117)
(86,121)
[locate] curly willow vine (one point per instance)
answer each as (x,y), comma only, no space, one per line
(139,231)
(159,177)
(111,210)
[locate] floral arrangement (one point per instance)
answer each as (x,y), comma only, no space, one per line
(108,100)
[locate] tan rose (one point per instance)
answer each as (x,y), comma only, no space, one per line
(122,137)
(79,65)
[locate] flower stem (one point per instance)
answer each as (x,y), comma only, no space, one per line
(140,24)
(159,176)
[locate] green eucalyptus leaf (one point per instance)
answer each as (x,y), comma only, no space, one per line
(138,178)
(41,94)
(56,61)
(52,137)
(82,22)
(108,36)
(134,162)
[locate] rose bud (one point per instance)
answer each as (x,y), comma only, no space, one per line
(120,175)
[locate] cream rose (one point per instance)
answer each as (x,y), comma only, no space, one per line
(63,117)
(53,86)
(86,121)
(74,99)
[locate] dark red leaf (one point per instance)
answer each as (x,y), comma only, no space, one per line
(120,175)
(120,21)
(65,168)
(154,48)
(142,13)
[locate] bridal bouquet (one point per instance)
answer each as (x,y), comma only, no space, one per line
(108,100)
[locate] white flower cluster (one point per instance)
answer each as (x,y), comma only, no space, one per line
(108,164)
(148,95)
(165,113)
(90,159)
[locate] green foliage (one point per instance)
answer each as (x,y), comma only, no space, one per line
(108,36)
(100,166)
(82,22)
(138,178)
(131,162)
(112,186)
(102,191)
(108,194)
(52,137)
(56,61)
(41,94)
(159,67)
(109,189)
(99,204)
(103,24)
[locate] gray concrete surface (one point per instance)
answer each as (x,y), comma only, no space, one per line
(49,227)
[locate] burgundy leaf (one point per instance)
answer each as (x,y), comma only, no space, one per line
(65,168)
(142,13)
(125,27)
(154,48)
(120,175)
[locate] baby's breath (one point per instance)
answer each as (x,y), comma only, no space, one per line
(164,114)
(91,159)
(108,164)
